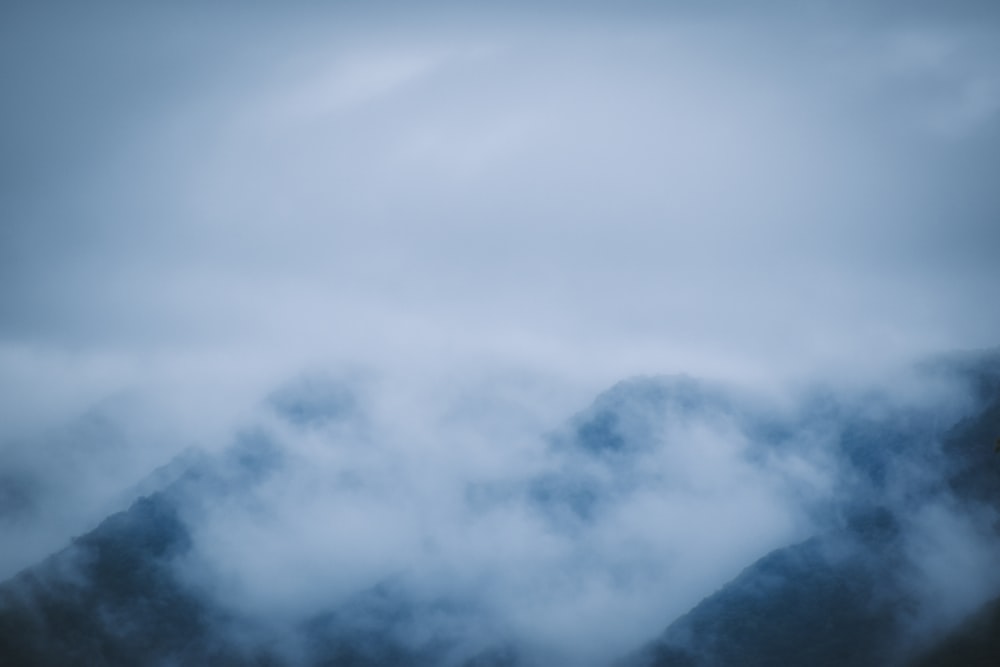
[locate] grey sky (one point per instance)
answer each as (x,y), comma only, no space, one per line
(488,215)
(641,188)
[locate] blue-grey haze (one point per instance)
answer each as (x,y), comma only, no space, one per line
(477,216)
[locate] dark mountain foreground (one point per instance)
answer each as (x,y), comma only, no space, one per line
(846,597)
(863,590)
(116,597)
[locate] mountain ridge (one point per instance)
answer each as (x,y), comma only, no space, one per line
(843,596)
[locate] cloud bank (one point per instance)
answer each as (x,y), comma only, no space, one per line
(482,216)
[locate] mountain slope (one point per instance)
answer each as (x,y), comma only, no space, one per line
(906,483)
(111,599)
(848,597)
(975,643)
(118,596)
(824,602)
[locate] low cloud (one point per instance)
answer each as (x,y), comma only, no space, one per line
(478,219)
(540,536)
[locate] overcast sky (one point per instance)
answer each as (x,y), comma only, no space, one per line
(201,194)
(479,215)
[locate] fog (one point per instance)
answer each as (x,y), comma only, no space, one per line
(475,219)
(489,516)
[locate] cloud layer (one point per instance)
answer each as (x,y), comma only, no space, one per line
(632,190)
(482,217)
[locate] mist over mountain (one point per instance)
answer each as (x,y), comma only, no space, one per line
(512,333)
(710,525)
(883,584)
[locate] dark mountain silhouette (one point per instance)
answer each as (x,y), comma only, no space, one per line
(114,597)
(117,595)
(110,599)
(826,601)
(975,643)
(844,598)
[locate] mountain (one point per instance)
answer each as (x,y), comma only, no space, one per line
(827,601)
(975,643)
(625,442)
(895,568)
(116,597)
(109,599)
(846,597)
(119,595)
